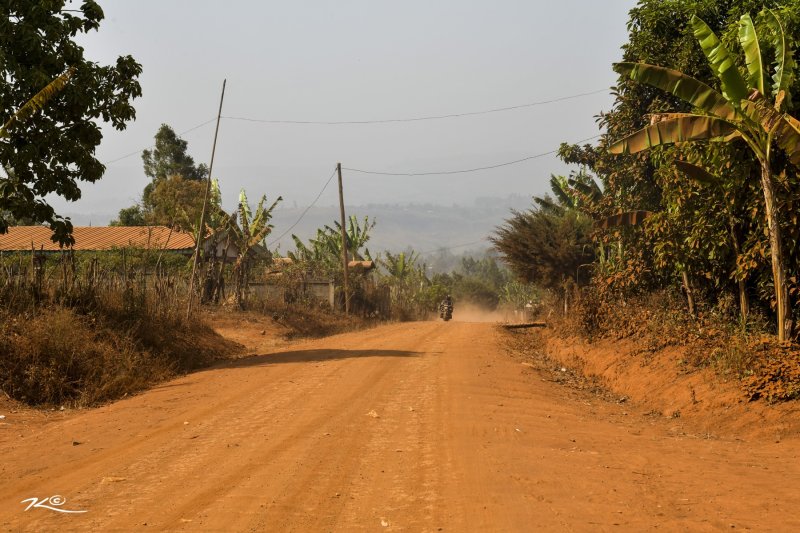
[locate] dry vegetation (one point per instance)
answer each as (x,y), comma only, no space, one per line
(761,366)
(80,329)
(81,333)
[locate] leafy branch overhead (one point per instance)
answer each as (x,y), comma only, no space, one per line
(50,142)
(36,103)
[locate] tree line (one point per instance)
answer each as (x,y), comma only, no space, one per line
(694,182)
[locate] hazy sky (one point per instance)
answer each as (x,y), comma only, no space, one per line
(359,60)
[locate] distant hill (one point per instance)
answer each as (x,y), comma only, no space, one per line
(427,228)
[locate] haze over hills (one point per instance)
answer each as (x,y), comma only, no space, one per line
(426,228)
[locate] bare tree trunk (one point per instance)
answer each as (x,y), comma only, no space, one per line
(776,250)
(689,294)
(744,299)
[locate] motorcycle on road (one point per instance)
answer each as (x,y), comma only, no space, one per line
(445,311)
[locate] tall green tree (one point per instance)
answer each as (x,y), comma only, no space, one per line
(174,196)
(740,112)
(54,149)
(169,157)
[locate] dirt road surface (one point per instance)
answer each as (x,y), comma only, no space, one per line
(407,427)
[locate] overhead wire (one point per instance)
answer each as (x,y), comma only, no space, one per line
(380,121)
(106,163)
(415,119)
(306,210)
(465,170)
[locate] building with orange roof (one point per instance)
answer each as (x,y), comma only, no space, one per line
(98,238)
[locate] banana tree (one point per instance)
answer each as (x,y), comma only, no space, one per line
(324,252)
(36,103)
(405,277)
(579,191)
(741,112)
(245,235)
(400,266)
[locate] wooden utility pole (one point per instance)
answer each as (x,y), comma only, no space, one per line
(344,242)
(201,228)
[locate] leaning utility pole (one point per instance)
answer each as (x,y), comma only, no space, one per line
(201,228)
(344,241)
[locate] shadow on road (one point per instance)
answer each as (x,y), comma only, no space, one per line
(303,356)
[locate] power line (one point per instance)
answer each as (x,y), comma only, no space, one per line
(415,119)
(462,171)
(151,146)
(296,222)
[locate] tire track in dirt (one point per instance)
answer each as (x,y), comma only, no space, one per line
(333,457)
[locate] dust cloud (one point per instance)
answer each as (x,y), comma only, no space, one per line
(468,312)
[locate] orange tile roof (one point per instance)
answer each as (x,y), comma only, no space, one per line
(98,238)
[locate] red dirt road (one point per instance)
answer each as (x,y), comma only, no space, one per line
(408,427)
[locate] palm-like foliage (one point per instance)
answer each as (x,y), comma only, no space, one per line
(400,266)
(579,191)
(409,288)
(253,227)
(741,111)
(245,230)
(36,103)
(324,251)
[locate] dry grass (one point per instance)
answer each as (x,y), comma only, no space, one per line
(58,356)
(82,335)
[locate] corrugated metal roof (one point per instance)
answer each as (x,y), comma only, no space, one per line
(98,238)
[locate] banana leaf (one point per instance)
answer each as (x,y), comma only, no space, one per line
(560,188)
(752,52)
(36,103)
(590,190)
(681,129)
(631,218)
(721,61)
(698,174)
(787,135)
(783,128)
(685,87)
(661,117)
(784,57)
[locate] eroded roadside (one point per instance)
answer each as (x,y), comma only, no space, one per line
(699,401)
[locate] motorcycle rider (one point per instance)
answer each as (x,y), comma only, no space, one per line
(446,303)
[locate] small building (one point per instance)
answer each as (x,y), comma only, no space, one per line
(98,238)
(105,238)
